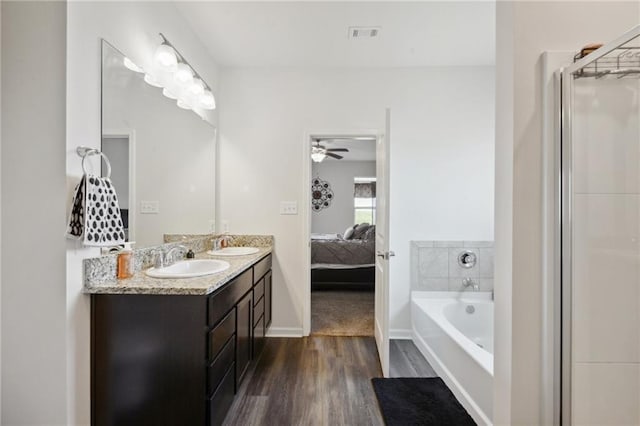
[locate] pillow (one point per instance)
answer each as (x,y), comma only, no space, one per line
(360,230)
(348,234)
(370,233)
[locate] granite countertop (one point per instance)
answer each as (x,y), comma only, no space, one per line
(140,283)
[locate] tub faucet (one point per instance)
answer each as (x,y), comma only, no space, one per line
(468,282)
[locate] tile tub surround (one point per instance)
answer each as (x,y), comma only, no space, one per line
(434,265)
(100,272)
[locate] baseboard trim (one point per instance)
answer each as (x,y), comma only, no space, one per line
(284,332)
(400,334)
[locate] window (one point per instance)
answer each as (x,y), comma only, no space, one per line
(364,200)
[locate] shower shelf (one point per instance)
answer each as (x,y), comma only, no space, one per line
(620,62)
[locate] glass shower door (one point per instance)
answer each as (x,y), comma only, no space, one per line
(601,236)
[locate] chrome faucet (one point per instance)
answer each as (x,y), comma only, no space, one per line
(166,259)
(468,282)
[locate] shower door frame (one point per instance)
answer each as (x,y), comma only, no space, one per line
(564,221)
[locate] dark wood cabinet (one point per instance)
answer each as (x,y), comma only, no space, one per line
(267,299)
(175,359)
(244,336)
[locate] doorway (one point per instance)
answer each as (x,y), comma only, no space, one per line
(351,279)
(119,147)
(343,213)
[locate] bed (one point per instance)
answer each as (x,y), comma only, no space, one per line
(342,263)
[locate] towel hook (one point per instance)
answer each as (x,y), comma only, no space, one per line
(85,152)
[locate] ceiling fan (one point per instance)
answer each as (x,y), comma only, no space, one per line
(320,152)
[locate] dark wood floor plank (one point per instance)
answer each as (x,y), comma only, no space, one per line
(405,360)
(317,380)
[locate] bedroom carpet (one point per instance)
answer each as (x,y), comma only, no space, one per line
(342,313)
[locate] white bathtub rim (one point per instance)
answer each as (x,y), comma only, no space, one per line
(452,383)
(482,357)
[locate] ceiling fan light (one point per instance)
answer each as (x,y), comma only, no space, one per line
(318,154)
(317,157)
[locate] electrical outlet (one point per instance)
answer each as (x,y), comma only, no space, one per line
(225,226)
(288,207)
(212,225)
(149,207)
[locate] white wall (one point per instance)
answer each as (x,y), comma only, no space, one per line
(441,159)
(340,215)
(525,30)
(132,27)
(34,364)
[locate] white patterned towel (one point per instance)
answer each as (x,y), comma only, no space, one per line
(95,215)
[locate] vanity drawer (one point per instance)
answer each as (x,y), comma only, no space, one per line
(222,399)
(258,291)
(258,311)
(220,302)
(218,368)
(261,268)
(221,334)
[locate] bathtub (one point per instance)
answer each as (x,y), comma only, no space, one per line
(454,331)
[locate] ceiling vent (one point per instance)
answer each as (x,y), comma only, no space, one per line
(364,32)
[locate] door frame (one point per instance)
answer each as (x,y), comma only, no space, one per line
(305,210)
(130,135)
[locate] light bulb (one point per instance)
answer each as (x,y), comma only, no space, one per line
(165,57)
(130,65)
(317,157)
(182,104)
(168,94)
(318,154)
(207,100)
(151,80)
(196,88)
(183,74)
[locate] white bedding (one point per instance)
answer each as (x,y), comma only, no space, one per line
(324,237)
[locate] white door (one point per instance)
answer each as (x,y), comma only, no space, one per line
(382,247)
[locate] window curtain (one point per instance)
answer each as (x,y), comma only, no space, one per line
(365,190)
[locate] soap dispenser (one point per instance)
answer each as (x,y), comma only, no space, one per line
(125,262)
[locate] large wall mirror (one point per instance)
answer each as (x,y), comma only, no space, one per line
(162,157)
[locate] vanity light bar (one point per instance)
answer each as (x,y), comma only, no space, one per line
(181,59)
(178,79)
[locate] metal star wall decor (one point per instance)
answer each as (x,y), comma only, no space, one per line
(321,194)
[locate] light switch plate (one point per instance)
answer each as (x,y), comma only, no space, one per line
(288,207)
(149,207)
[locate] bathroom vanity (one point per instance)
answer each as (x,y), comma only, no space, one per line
(175,352)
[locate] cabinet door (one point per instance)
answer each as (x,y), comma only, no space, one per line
(244,338)
(267,299)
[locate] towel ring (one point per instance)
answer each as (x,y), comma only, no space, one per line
(85,152)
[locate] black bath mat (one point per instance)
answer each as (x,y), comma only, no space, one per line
(419,401)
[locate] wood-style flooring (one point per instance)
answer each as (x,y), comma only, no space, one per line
(316,380)
(405,360)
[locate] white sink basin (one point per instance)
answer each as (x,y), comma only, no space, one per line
(234,251)
(189,269)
